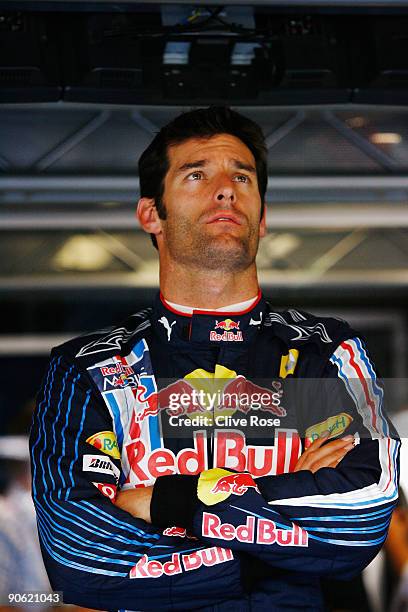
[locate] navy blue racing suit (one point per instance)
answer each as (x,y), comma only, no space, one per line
(213,409)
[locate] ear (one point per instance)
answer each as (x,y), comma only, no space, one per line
(147,216)
(262,224)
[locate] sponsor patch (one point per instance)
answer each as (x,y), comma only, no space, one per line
(225,333)
(216,485)
(106,442)
(179,532)
(101,464)
(288,363)
(336,425)
(230,450)
(175,531)
(146,568)
(254,530)
(167,326)
(302,332)
(108,490)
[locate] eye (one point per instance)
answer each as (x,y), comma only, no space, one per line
(195,176)
(242,178)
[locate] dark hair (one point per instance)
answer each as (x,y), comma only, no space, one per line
(200,123)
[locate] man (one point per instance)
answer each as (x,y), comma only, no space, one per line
(142,507)
(21,568)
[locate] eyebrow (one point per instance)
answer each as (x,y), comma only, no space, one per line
(201,163)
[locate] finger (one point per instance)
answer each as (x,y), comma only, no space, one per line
(312,447)
(338,453)
(318,441)
(317,462)
(316,447)
(322,458)
(326,453)
(334,446)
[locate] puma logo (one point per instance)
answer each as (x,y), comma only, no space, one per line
(169,328)
(254,322)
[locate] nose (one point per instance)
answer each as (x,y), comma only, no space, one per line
(225,193)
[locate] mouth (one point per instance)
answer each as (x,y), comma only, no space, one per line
(224,218)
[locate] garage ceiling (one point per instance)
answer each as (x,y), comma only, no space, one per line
(110,74)
(337,195)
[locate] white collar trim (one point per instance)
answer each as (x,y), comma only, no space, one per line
(237,307)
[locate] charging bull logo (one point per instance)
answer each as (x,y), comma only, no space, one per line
(238,484)
(228,335)
(179,532)
(219,392)
(216,485)
(227,325)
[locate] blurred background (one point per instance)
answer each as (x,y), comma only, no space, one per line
(84,87)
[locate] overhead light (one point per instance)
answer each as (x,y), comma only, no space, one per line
(282,245)
(275,247)
(243,53)
(356,122)
(176,53)
(82,253)
(385,138)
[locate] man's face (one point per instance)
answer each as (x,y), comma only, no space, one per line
(213,204)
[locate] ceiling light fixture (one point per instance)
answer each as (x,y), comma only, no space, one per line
(385,138)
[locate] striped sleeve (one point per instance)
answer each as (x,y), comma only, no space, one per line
(98,555)
(336,519)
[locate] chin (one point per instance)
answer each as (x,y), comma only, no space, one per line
(228,255)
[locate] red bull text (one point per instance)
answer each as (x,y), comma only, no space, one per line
(259,531)
(146,568)
(230,452)
(228,335)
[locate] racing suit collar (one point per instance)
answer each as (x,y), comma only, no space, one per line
(213,328)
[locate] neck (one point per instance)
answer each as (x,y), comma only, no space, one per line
(209,289)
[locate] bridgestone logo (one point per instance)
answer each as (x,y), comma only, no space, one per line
(101,464)
(98,463)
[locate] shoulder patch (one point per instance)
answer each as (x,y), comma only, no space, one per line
(288,363)
(300,330)
(115,338)
(335,425)
(106,442)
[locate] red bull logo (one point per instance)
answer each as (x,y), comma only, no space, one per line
(153,568)
(108,490)
(179,532)
(226,326)
(230,450)
(258,531)
(118,368)
(238,484)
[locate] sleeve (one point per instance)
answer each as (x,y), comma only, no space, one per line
(98,555)
(332,522)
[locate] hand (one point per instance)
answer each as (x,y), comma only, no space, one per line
(136,502)
(317,456)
